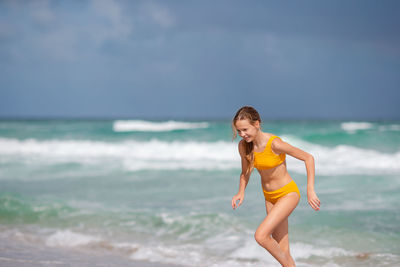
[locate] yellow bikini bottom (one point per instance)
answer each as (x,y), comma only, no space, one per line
(274,196)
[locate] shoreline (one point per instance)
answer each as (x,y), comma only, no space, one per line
(22,254)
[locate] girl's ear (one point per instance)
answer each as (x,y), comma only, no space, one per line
(257,124)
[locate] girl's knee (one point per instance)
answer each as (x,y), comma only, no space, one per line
(262,238)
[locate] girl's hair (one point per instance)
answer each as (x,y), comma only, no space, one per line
(250,114)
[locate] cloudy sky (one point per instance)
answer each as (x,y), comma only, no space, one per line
(200,59)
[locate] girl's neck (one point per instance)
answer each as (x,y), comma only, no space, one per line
(259,139)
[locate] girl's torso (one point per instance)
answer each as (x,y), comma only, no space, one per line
(271,166)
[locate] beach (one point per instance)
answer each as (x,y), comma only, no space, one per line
(158,193)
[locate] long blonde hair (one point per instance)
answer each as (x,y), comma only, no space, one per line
(250,114)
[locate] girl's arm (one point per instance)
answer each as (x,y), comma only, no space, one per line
(244,178)
(278,146)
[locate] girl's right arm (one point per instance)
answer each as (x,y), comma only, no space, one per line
(244,178)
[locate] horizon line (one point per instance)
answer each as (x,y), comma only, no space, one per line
(195,118)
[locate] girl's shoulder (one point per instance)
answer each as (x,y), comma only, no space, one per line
(273,139)
(269,136)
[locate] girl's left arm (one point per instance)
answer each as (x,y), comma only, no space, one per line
(278,146)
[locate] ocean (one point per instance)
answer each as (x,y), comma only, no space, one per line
(160,191)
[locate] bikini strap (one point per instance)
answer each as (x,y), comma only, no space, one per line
(272,139)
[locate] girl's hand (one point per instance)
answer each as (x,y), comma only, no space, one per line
(235,198)
(313,200)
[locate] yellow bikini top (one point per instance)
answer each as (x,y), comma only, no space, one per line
(267,159)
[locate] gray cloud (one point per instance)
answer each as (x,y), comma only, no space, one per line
(195,58)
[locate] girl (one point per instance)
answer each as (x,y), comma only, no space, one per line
(267,153)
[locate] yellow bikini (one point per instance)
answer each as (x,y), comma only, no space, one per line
(274,196)
(267,160)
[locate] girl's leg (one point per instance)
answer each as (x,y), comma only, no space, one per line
(276,215)
(281,232)
(281,235)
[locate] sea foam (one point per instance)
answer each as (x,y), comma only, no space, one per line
(352,127)
(305,251)
(249,254)
(67,238)
(191,155)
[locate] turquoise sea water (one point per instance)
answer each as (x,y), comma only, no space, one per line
(161,191)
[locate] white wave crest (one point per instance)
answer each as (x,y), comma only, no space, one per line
(352,127)
(149,126)
(191,155)
(67,238)
(133,155)
(305,251)
(345,159)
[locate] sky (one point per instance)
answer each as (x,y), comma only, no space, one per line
(199,59)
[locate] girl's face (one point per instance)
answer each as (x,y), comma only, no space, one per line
(246,130)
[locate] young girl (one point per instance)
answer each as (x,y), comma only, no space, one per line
(267,153)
